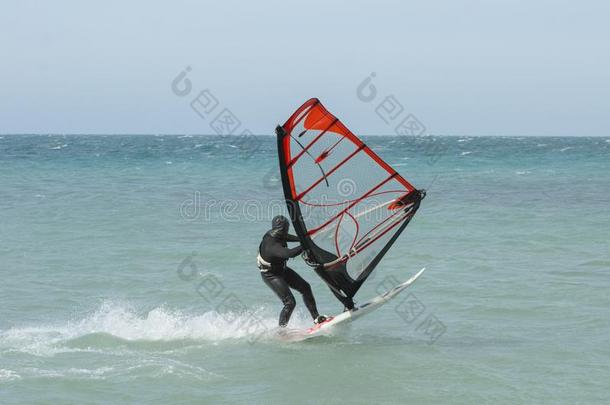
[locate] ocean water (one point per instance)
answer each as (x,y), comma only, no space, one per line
(128,276)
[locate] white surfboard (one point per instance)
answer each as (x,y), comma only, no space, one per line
(355,313)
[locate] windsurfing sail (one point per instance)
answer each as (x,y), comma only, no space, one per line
(347,205)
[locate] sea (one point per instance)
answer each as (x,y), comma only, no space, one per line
(128,276)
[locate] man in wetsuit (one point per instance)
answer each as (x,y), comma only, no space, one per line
(273,254)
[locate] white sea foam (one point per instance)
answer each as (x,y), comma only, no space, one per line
(466,153)
(152,366)
(8,375)
(160,324)
(72,372)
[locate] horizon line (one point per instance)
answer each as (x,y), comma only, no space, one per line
(273,136)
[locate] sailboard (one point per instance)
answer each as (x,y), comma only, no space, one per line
(346,204)
(329,326)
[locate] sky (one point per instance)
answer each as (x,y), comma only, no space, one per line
(465,67)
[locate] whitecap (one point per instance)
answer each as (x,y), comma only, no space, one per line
(93,374)
(8,375)
(120,321)
(466,153)
(566,148)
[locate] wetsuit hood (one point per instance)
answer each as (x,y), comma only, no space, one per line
(279,227)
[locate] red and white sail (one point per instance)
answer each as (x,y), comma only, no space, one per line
(347,205)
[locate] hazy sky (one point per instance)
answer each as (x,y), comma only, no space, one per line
(460,67)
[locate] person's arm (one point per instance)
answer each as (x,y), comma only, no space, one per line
(285,253)
(295,251)
(292,238)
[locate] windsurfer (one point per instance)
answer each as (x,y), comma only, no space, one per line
(272,257)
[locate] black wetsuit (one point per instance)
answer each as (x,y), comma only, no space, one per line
(281,278)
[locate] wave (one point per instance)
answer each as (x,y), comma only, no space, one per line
(597,263)
(115,325)
(8,375)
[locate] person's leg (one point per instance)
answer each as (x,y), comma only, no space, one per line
(298,283)
(281,289)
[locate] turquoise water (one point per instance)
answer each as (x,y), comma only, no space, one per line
(128,276)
